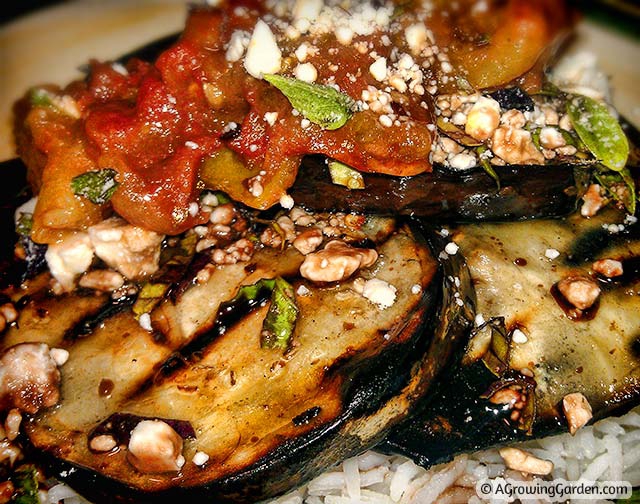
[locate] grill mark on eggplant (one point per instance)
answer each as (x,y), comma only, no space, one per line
(594,243)
(90,323)
(306,417)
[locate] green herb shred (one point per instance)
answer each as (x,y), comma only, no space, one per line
(24,224)
(97,186)
(599,130)
(322,105)
(280,321)
(25,481)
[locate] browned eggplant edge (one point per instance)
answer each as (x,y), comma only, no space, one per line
(436,335)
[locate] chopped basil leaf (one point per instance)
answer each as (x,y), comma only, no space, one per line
(599,130)
(487,167)
(344,175)
(150,295)
(97,186)
(322,105)
(24,224)
(39,97)
(252,292)
(25,482)
(280,321)
(497,356)
(620,186)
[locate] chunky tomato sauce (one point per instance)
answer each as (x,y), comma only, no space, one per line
(196,119)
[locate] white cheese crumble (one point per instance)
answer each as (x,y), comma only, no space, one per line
(145,322)
(379,69)
(551,254)
(379,292)
(303,290)
(307,9)
(69,258)
(263,54)
(306,72)
(451,248)
(194,208)
(200,458)
(270,118)
(286,201)
(416,289)
(416,36)
(519,337)
(237,45)
(59,355)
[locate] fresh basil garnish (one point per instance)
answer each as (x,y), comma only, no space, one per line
(24,224)
(39,97)
(599,130)
(322,105)
(25,481)
(280,321)
(97,186)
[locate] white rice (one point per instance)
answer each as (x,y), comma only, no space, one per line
(608,450)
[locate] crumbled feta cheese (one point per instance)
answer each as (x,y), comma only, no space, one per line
(302,52)
(344,35)
(155,447)
(131,250)
(451,248)
(145,322)
(416,36)
(200,458)
(379,69)
(263,54)
(416,289)
(286,201)
(462,161)
(237,45)
(69,258)
(479,319)
(307,9)
(59,355)
(551,254)
(270,118)
(306,72)
(303,290)
(194,208)
(379,292)
(519,337)
(483,118)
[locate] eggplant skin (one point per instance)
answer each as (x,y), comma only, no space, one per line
(372,372)
(527,192)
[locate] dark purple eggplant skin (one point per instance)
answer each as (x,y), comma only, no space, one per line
(526,192)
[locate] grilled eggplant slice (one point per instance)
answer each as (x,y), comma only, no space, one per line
(267,420)
(526,192)
(514,273)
